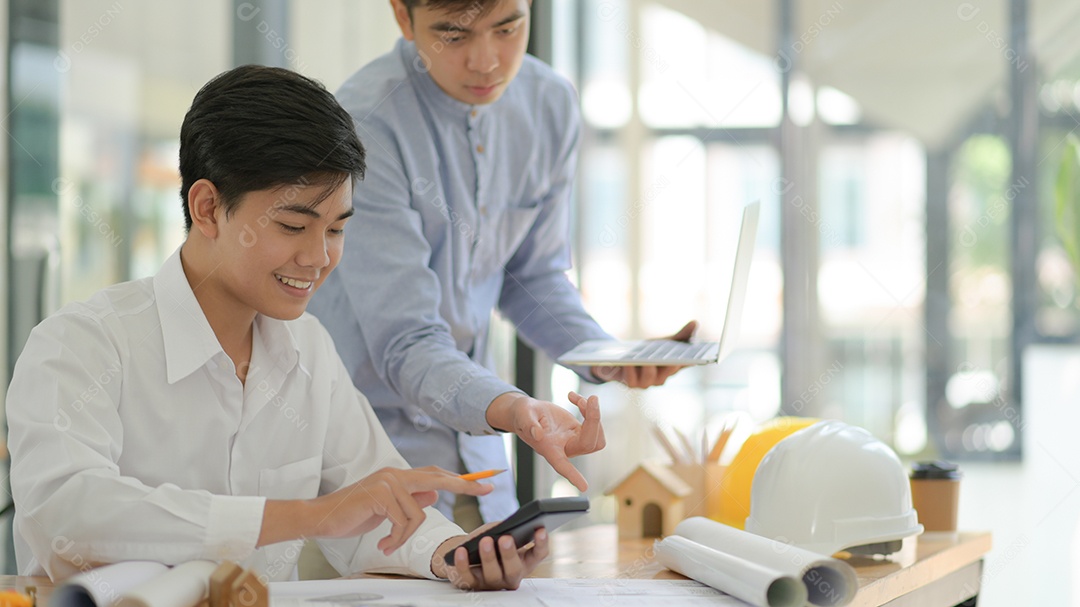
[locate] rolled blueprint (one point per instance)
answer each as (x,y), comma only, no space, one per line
(137,584)
(185,585)
(104,585)
(741,579)
(734,553)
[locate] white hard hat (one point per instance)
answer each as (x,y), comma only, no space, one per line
(832,487)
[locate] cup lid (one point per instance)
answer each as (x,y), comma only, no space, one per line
(935,470)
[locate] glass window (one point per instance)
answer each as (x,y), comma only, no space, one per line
(337,38)
(1059,298)
(659,213)
(871,281)
(130,74)
(692,76)
(673,277)
(605,88)
(981,292)
(604,232)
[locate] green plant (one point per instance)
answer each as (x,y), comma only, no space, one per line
(1067,201)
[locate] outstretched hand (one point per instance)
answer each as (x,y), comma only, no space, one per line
(644,376)
(552,431)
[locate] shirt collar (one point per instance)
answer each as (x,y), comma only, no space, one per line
(275,338)
(187,337)
(429,90)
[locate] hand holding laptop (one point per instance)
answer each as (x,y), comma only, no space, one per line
(668,352)
(644,376)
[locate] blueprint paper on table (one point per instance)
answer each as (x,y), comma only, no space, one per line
(534,592)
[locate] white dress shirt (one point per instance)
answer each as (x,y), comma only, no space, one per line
(131,437)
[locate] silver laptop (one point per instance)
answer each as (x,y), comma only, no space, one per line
(668,352)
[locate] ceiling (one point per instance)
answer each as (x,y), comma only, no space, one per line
(923,66)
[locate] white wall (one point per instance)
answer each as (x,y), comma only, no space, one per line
(990,500)
(1040,549)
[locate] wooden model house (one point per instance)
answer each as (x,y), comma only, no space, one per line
(651,501)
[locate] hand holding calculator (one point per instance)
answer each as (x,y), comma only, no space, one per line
(547,513)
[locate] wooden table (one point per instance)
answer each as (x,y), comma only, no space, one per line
(21,583)
(930,570)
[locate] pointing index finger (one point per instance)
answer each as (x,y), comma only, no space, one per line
(561,463)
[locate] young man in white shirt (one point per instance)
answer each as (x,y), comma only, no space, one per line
(200,414)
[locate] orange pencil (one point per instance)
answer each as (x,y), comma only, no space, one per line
(475,476)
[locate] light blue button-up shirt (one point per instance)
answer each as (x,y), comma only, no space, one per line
(464,209)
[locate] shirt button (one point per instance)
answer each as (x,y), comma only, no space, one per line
(473,113)
(480,148)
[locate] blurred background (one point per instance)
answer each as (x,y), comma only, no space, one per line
(908,277)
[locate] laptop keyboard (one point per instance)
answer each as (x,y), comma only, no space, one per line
(664,349)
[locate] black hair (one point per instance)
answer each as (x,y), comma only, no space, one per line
(474,9)
(255,127)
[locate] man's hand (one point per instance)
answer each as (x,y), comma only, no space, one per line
(550,430)
(490,574)
(390,493)
(645,375)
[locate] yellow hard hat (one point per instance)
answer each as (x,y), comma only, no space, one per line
(739,477)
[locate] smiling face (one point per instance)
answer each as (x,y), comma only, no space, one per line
(471,56)
(277,246)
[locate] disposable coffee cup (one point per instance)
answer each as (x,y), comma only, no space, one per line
(935,494)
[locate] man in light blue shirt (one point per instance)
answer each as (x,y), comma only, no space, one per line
(464,210)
